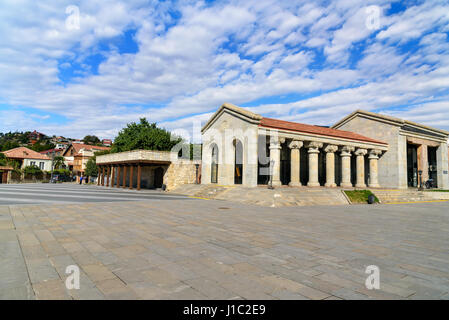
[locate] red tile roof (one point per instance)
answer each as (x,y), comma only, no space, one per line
(24,153)
(50,151)
(307,128)
(78,146)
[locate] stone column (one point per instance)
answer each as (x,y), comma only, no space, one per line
(346,166)
(373,168)
(295,159)
(99,175)
(360,153)
(442,166)
(314,150)
(275,155)
(330,165)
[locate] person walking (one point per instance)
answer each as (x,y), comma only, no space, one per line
(81,180)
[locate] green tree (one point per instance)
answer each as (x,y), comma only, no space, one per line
(91,168)
(58,162)
(93,140)
(39,146)
(3,160)
(91,165)
(9,144)
(144,135)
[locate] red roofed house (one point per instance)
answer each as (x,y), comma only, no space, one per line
(77,155)
(28,157)
(35,136)
(364,149)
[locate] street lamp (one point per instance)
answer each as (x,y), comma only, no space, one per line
(420,180)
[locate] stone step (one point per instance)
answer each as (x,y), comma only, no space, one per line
(388,196)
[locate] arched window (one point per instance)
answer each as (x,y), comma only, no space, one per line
(214,165)
(238,163)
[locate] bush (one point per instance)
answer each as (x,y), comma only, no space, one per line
(33,172)
(63,172)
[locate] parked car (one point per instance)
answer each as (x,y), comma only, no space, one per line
(60,178)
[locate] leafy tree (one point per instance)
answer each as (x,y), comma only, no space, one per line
(65,172)
(100,153)
(91,165)
(93,140)
(39,146)
(58,162)
(91,168)
(3,160)
(9,144)
(144,135)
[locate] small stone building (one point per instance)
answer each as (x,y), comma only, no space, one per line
(146,169)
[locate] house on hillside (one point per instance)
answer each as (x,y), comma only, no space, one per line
(106,142)
(27,157)
(77,155)
(35,136)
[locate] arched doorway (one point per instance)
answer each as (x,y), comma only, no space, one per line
(238,162)
(214,165)
(158,177)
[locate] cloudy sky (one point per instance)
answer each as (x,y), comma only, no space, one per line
(176,62)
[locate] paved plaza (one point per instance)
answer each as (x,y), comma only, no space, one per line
(183,248)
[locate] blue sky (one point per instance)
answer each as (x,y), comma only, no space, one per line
(176,62)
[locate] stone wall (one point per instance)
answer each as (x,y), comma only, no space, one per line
(222,132)
(181,172)
(137,155)
(392,165)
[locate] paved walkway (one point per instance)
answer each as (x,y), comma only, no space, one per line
(199,249)
(32,193)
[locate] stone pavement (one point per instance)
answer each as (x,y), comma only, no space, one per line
(201,249)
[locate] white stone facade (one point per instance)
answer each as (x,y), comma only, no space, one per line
(301,152)
(399,134)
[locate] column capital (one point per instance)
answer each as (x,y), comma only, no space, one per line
(295,144)
(313,146)
(330,148)
(374,154)
(346,151)
(360,152)
(275,142)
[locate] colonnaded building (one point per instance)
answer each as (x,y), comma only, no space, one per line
(364,149)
